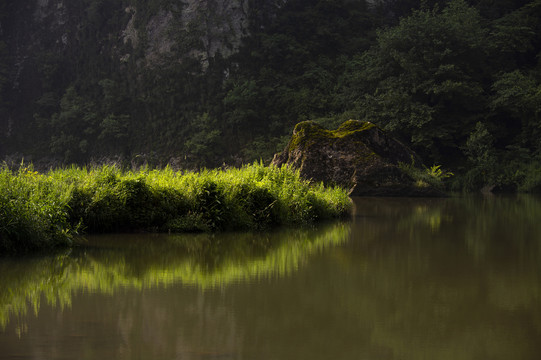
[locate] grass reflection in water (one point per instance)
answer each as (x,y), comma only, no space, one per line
(456,278)
(109,263)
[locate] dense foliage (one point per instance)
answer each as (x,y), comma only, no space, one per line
(47,210)
(459,81)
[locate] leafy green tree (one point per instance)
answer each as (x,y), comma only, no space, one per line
(74,127)
(116,118)
(287,70)
(114,128)
(203,144)
(480,147)
(4,81)
(424,79)
(517,100)
(242,108)
(515,37)
(3,70)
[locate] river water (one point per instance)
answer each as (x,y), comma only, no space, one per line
(456,278)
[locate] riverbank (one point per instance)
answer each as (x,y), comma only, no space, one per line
(46,210)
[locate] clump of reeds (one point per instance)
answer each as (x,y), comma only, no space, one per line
(33,211)
(48,209)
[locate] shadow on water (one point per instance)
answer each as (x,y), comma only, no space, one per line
(456,278)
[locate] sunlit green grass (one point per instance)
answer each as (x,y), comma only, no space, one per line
(33,211)
(46,210)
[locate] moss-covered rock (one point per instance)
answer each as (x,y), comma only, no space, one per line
(358,155)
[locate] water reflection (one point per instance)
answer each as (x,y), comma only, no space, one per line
(456,278)
(451,278)
(108,263)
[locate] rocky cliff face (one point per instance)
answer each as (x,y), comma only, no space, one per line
(215,25)
(48,46)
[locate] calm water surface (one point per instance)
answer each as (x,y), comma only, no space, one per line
(455,278)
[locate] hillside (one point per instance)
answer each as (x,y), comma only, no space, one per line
(200,83)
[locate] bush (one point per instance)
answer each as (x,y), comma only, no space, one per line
(532,179)
(424,177)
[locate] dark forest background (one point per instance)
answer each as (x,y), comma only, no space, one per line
(458,81)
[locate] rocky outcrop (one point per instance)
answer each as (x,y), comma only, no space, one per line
(147,30)
(216,26)
(358,156)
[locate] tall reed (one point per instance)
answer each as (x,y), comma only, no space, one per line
(33,211)
(46,210)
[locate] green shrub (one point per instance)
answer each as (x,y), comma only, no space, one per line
(424,177)
(211,205)
(532,179)
(260,205)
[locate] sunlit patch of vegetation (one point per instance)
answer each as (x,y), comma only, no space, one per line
(33,211)
(47,210)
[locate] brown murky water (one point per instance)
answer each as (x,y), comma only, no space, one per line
(455,278)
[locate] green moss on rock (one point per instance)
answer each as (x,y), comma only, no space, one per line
(351,126)
(308,133)
(358,156)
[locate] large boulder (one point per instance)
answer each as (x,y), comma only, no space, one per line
(358,156)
